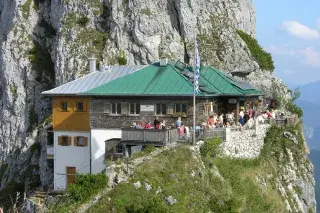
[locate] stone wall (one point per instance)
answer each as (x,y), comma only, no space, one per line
(101,117)
(244,144)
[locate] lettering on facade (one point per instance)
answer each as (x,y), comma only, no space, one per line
(232,100)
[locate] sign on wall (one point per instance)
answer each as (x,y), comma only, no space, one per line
(232,100)
(147,108)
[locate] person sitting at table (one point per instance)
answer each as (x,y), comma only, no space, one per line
(163,125)
(178,122)
(139,125)
(148,125)
(211,121)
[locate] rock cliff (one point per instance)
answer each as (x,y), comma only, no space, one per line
(47,43)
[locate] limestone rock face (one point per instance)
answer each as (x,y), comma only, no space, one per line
(48,43)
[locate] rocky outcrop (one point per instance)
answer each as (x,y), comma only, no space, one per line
(47,43)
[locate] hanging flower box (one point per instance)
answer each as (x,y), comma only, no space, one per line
(179,114)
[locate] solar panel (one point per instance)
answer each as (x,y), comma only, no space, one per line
(188,74)
(241,85)
(95,79)
(181,66)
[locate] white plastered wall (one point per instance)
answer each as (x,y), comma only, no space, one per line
(69,156)
(98,138)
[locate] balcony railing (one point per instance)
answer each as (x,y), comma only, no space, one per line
(149,136)
(50,152)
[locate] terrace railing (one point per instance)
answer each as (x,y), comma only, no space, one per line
(149,136)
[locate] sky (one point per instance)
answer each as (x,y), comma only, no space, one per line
(290,31)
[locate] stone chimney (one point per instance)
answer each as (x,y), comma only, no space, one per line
(92,64)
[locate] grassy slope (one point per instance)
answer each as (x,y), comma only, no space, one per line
(238,191)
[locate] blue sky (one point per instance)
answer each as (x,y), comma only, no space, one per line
(290,31)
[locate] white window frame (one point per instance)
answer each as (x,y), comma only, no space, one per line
(83,108)
(161,108)
(117,148)
(175,107)
(117,104)
(135,108)
(79,144)
(62,109)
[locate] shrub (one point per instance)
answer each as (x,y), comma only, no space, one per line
(149,149)
(85,186)
(83,21)
(293,108)
(263,58)
(122,58)
(210,147)
(154,205)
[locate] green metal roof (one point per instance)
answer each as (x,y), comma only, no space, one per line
(151,80)
(225,85)
(156,80)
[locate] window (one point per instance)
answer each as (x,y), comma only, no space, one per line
(64,106)
(64,140)
(116,108)
(119,148)
(161,109)
(80,107)
(80,141)
(134,109)
(180,108)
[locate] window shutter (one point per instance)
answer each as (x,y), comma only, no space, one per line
(85,106)
(59,140)
(60,106)
(85,141)
(75,140)
(69,107)
(74,107)
(124,108)
(69,141)
(170,107)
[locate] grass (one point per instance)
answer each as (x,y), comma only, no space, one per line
(146,151)
(263,58)
(193,181)
(85,187)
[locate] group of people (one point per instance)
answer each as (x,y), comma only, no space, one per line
(157,124)
(214,121)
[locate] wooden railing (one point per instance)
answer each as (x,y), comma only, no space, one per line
(149,136)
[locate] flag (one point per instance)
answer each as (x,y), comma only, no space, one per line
(197,69)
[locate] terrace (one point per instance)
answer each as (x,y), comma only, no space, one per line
(131,136)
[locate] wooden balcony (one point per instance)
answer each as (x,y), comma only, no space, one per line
(155,137)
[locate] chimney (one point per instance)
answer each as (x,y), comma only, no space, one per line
(163,62)
(92,64)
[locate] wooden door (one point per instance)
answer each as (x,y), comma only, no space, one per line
(71,173)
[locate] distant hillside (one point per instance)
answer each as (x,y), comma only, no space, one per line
(310,104)
(309,92)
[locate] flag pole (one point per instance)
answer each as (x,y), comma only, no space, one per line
(194,91)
